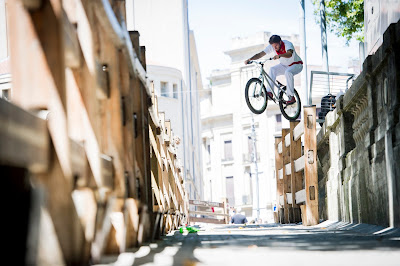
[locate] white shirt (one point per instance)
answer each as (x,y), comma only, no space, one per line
(284,48)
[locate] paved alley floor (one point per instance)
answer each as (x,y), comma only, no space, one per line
(329,243)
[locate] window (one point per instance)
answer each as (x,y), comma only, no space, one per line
(278,124)
(228,150)
(278,118)
(230,190)
(164,89)
(175,91)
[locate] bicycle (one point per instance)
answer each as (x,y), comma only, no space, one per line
(259,94)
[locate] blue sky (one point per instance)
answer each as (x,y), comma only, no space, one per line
(215,22)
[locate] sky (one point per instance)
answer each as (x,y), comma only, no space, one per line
(216,22)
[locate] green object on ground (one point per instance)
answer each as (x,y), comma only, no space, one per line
(181,230)
(191,229)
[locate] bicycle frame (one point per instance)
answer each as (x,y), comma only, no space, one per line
(264,75)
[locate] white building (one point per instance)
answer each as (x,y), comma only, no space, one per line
(227,123)
(228,167)
(172,64)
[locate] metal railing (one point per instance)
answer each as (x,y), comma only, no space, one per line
(323,83)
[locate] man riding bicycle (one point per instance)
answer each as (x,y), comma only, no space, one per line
(290,63)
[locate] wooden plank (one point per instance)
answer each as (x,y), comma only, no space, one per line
(132,208)
(310,170)
(225,209)
(167,132)
(107,171)
(155,146)
(208,213)
(296,177)
(72,50)
(286,178)
(79,163)
(289,198)
(280,147)
(303,214)
(206,203)
(46,91)
(146,121)
(63,212)
(281,200)
(32,4)
(288,169)
(144,224)
(172,194)
(280,173)
(299,164)
(301,196)
(156,191)
(206,220)
(86,205)
(298,131)
(287,140)
(24,138)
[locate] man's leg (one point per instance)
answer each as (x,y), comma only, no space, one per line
(274,72)
(289,74)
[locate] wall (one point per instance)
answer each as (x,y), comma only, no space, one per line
(359,144)
(378,14)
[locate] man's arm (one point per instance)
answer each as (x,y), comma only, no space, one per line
(255,57)
(288,54)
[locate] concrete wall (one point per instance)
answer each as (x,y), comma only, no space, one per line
(378,15)
(359,144)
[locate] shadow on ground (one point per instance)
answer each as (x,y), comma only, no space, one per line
(180,248)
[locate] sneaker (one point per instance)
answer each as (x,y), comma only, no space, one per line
(270,95)
(291,100)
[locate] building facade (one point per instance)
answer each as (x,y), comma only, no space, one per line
(234,139)
(233,136)
(173,66)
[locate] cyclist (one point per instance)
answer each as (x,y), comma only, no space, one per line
(290,63)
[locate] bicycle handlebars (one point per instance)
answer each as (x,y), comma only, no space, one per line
(259,62)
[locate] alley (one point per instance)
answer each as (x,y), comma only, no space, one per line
(329,243)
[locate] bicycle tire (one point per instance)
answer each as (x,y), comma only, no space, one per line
(283,106)
(246,92)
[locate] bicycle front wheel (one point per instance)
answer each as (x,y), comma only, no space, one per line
(290,111)
(256,96)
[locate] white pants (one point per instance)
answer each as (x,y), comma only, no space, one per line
(289,72)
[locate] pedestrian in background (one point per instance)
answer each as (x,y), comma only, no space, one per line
(238,218)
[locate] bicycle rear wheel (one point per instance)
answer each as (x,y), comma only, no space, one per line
(256,96)
(292,111)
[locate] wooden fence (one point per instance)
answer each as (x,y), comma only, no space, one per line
(88,162)
(296,171)
(209,212)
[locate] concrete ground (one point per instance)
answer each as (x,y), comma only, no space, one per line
(329,243)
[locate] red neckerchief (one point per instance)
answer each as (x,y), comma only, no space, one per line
(282,50)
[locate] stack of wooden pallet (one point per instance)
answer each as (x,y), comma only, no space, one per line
(89,162)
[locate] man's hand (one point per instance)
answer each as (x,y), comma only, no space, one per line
(247,61)
(276,57)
